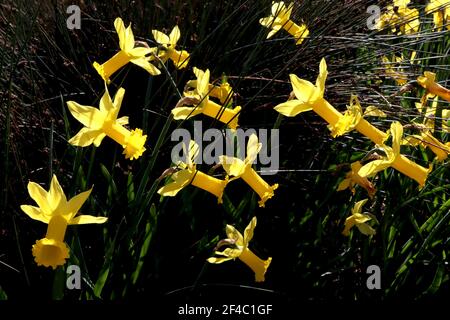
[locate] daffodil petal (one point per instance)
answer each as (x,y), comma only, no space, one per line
(253,148)
(86,137)
(129,39)
(292,108)
(174,36)
(304,90)
(233,166)
(249,230)
(180,179)
(35,213)
(55,195)
(39,195)
(217,260)
(90,117)
(234,234)
(146,65)
(120,29)
(86,219)
(182,113)
(74,205)
(366,229)
(161,38)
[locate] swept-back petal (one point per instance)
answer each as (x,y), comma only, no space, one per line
(292,108)
(174,36)
(248,232)
(234,234)
(322,77)
(357,207)
(129,39)
(146,65)
(39,195)
(86,219)
(55,196)
(161,38)
(253,148)
(233,166)
(35,213)
(180,179)
(90,117)
(366,229)
(120,28)
(86,137)
(182,113)
(304,90)
(74,205)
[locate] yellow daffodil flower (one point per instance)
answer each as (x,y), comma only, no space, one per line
(128,53)
(428,81)
(281,19)
(199,98)
(168,49)
(441,13)
(359,220)
(190,175)
(243,169)
(224,92)
(54,209)
(353,178)
(426,139)
(104,122)
(310,97)
(352,117)
(392,158)
(241,251)
(400,18)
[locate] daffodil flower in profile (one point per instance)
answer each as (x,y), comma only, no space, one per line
(359,220)
(353,178)
(140,56)
(441,13)
(224,92)
(428,81)
(352,117)
(392,154)
(243,169)
(104,122)
(201,104)
(190,175)
(167,49)
(310,97)
(54,209)
(426,139)
(280,18)
(241,251)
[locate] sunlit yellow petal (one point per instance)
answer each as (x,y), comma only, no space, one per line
(146,65)
(74,205)
(233,166)
(35,213)
(234,234)
(174,36)
(86,219)
(182,113)
(161,38)
(90,117)
(304,90)
(292,108)
(86,137)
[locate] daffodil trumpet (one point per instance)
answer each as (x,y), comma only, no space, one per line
(243,169)
(201,104)
(310,97)
(104,122)
(54,209)
(428,81)
(280,18)
(190,175)
(241,251)
(140,56)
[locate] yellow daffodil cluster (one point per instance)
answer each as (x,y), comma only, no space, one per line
(400,18)
(440,9)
